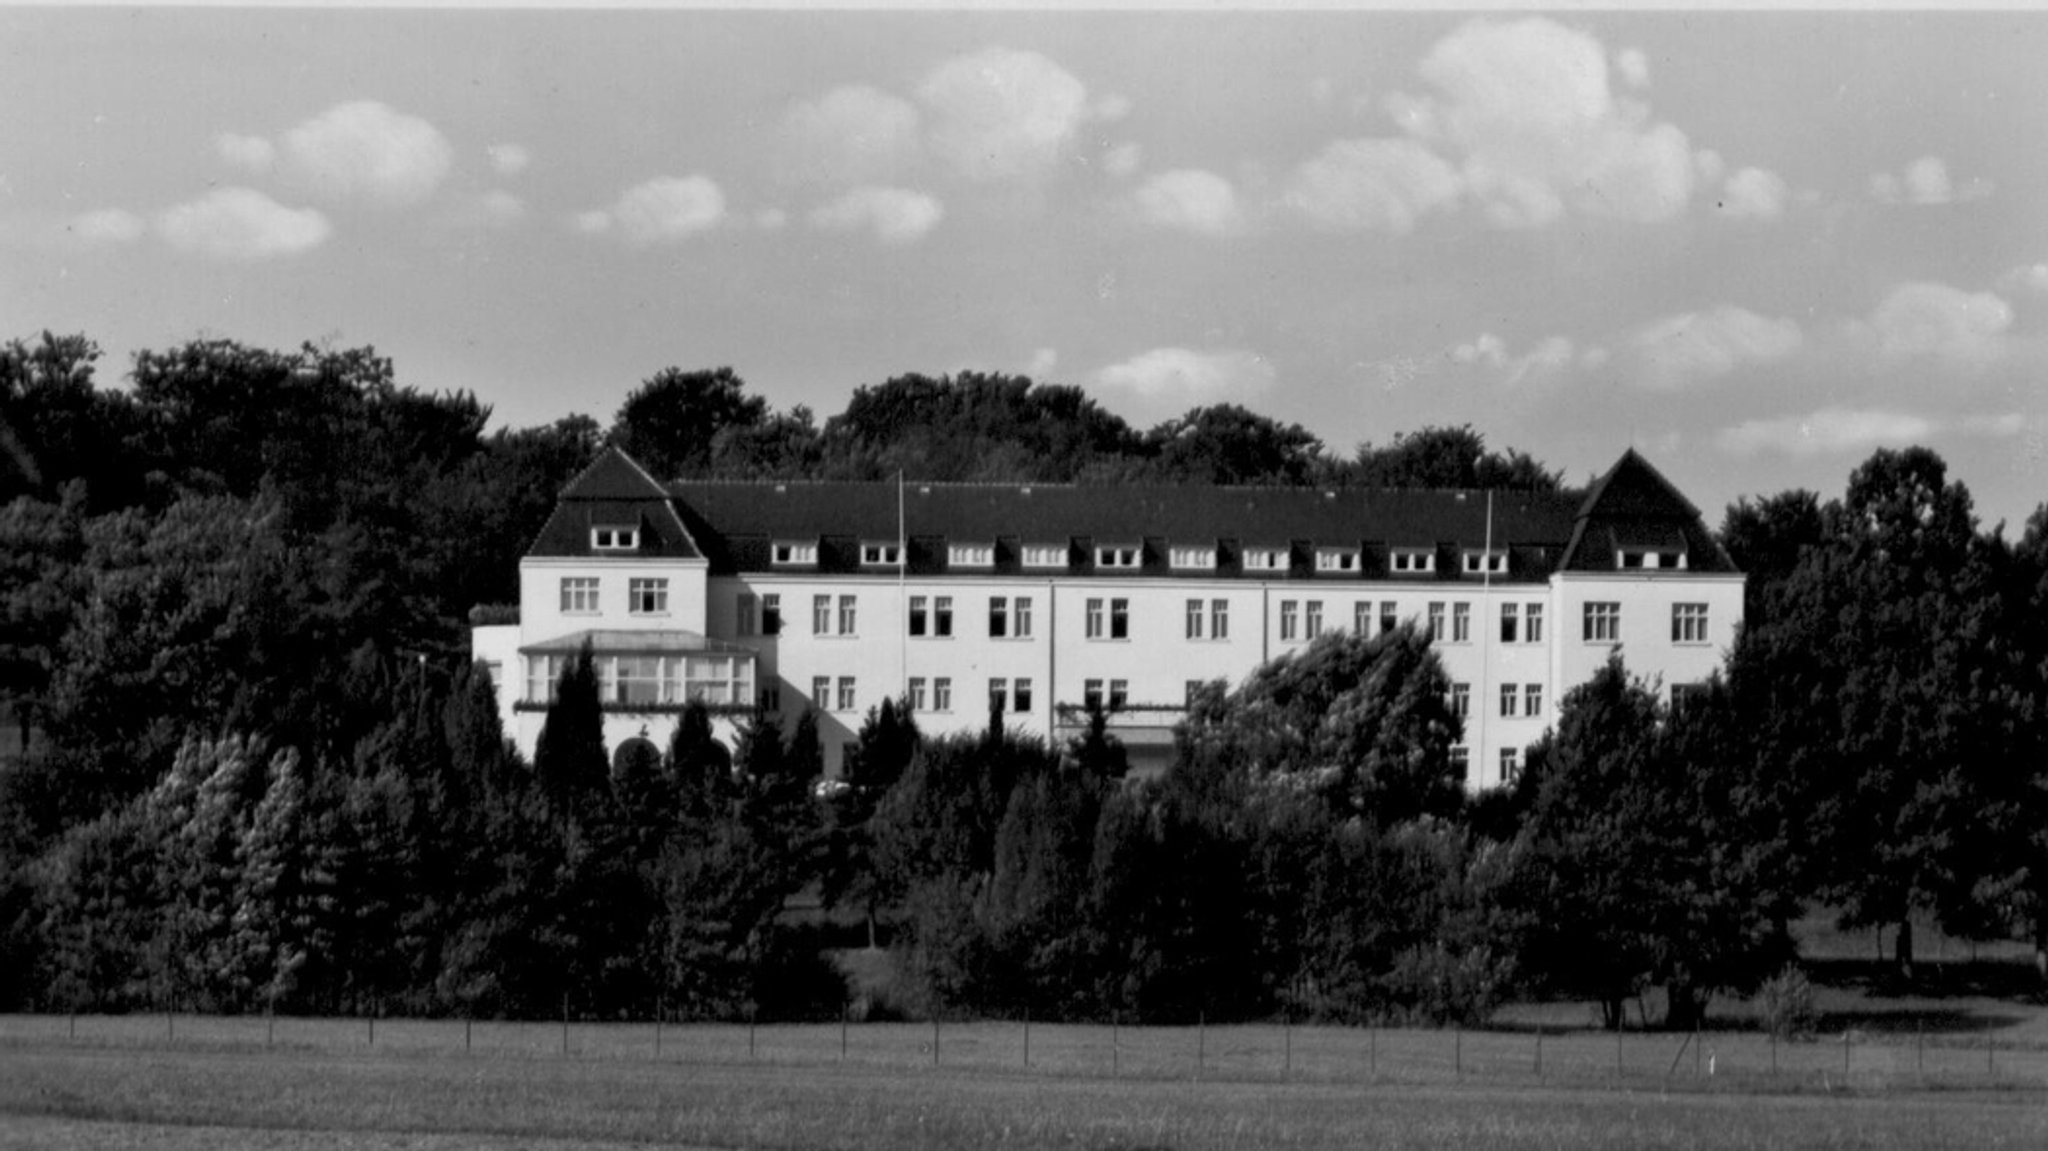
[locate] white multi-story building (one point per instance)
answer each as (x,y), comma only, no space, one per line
(1042,598)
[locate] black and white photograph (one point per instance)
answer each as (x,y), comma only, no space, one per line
(938,576)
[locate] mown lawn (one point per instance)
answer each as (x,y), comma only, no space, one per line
(222,1084)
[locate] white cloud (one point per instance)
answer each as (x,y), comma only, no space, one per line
(2025,278)
(592,223)
(1043,361)
(1111,108)
(1123,159)
(1925,183)
(1182,375)
(249,153)
(237,223)
(662,210)
(368,150)
(1692,346)
(1379,185)
(509,159)
(1754,194)
(1527,107)
(107,226)
(1547,358)
(771,219)
(1189,200)
(1930,319)
(851,135)
(1634,67)
(1853,430)
(894,215)
(494,209)
(1001,114)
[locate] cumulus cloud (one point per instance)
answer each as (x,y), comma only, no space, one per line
(367,150)
(1693,346)
(1754,194)
(1183,375)
(242,224)
(1001,114)
(662,210)
(1924,183)
(2025,278)
(509,159)
(1854,430)
(1547,358)
(1527,107)
(1189,200)
(853,134)
(894,215)
(494,209)
(1930,319)
(1634,67)
(107,227)
(249,153)
(1379,185)
(1123,160)
(1043,361)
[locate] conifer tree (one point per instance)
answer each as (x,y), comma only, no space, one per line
(569,757)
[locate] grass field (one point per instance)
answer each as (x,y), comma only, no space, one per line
(244,1083)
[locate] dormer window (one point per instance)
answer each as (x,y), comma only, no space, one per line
(881,555)
(971,555)
(1265,559)
(1649,559)
(614,538)
(1192,558)
(1483,563)
(795,553)
(1123,556)
(1337,561)
(1412,561)
(1044,556)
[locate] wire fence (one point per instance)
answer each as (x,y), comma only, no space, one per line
(1236,1052)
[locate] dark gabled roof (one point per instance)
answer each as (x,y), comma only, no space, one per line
(614,491)
(1633,505)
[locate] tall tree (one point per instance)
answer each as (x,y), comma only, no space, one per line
(672,420)
(1441,457)
(1228,444)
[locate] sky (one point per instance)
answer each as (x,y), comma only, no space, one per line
(1754,246)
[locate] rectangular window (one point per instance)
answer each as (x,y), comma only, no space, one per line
(1603,623)
(1361,617)
(769,698)
(1461,699)
(846,702)
(970,555)
(1389,619)
(771,613)
(998,616)
(998,694)
(1045,556)
(1485,562)
(1461,761)
(1219,619)
(1093,617)
(1532,615)
(635,679)
(942,615)
(1020,696)
(1413,561)
(917,693)
(1510,700)
(821,615)
(880,555)
(1264,559)
(614,538)
(647,596)
(747,619)
(1461,623)
(942,694)
(1510,764)
(1290,621)
(1510,623)
(1336,561)
(1022,619)
(821,692)
(1688,623)
(1687,696)
(1119,694)
(579,595)
(920,615)
(540,679)
(1192,559)
(789,553)
(1091,694)
(1312,618)
(1532,700)
(846,615)
(1195,619)
(1436,622)
(1119,619)
(1120,557)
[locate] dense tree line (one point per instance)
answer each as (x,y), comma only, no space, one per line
(257,770)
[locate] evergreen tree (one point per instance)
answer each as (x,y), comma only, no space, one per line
(569,757)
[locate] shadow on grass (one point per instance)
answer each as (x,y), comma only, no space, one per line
(1934,979)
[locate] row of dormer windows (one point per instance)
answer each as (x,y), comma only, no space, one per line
(1129,557)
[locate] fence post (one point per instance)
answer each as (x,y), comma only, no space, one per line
(1372,1052)
(465,1034)
(750,1035)
(373,1028)
(1287,1036)
(170,1023)
(1539,1053)
(1201,1042)
(1990,1056)
(935,1039)
(1845,1052)
(565,1025)
(844,1011)
(1619,1072)
(1774,1051)
(1699,1049)
(1115,1049)
(1458,1051)
(1027,1036)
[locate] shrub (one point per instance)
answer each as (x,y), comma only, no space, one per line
(1784,1005)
